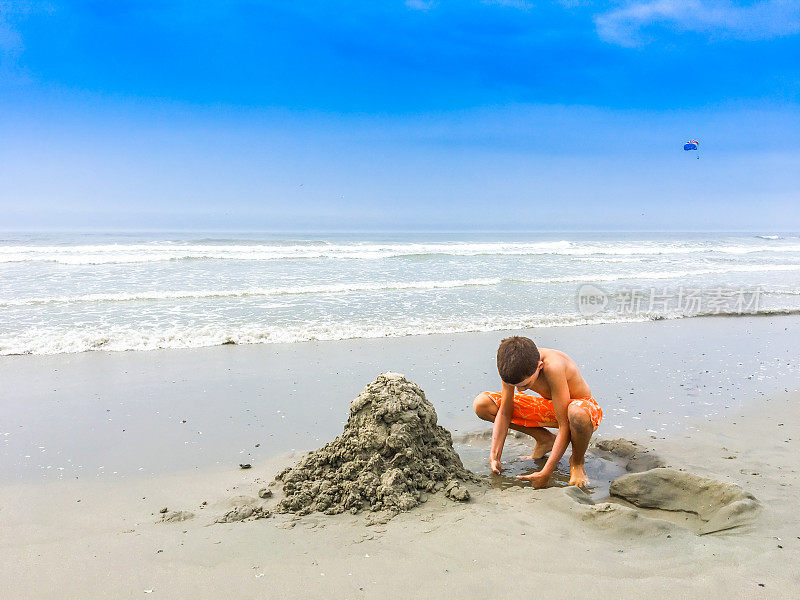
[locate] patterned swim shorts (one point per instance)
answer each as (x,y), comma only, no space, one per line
(535,411)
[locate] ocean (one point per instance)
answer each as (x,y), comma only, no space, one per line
(77,292)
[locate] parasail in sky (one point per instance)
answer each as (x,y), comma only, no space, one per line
(692,145)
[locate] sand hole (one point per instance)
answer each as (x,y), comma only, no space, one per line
(474,452)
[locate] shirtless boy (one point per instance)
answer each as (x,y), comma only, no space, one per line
(564,401)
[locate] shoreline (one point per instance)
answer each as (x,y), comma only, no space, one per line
(577,322)
(154,412)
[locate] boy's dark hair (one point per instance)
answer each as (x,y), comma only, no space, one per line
(517,359)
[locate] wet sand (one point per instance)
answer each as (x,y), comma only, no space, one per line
(78,539)
(86,535)
(112,415)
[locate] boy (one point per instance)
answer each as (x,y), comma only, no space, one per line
(564,401)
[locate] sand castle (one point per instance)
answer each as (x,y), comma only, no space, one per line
(391,455)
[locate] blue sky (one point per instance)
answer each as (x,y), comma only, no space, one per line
(400,115)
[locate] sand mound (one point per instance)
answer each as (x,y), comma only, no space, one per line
(176,516)
(243,508)
(721,505)
(390,455)
(243,513)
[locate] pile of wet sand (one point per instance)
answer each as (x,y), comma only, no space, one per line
(390,456)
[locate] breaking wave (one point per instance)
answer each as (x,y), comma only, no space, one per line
(159,252)
(55,340)
(356,287)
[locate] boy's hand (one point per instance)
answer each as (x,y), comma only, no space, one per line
(538,480)
(496,465)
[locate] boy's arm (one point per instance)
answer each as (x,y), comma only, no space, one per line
(560,398)
(501,422)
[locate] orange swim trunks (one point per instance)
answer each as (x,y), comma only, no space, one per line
(535,411)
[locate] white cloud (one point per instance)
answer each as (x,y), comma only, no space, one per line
(717,18)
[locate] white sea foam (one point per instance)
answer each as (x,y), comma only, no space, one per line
(344,288)
(357,287)
(121,338)
(128,253)
(129,296)
(159,252)
(54,340)
(650,275)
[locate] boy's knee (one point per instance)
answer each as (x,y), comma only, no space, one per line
(579,419)
(482,405)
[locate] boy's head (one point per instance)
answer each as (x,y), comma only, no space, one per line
(517,359)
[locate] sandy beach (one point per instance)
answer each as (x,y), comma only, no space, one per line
(711,397)
(259,267)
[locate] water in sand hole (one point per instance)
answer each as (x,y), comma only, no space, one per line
(475,456)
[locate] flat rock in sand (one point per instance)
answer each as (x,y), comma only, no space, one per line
(636,457)
(721,505)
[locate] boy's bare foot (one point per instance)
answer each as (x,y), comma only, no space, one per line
(577,475)
(541,448)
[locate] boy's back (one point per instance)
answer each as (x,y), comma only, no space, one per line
(556,362)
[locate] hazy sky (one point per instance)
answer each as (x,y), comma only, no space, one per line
(400,115)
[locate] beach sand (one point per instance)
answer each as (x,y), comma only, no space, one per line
(76,533)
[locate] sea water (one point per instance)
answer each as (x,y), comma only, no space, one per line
(76,292)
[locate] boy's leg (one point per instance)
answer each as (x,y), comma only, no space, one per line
(580,430)
(486,409)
